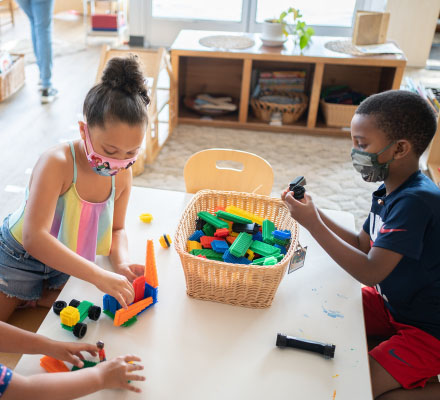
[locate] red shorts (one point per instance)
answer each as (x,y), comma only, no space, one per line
(411,356)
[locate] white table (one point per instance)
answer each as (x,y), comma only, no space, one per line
(196,349)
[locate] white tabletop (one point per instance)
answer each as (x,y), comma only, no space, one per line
(196,349)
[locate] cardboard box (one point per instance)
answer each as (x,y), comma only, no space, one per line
(370,27)
(12,79)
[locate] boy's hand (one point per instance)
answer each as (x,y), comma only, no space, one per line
(70,352)
(130,271)
(115,285)
(303,211)
(116,373)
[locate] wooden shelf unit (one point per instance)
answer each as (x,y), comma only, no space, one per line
(200,69)
(433,160)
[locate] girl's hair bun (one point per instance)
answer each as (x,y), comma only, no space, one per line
(125,74)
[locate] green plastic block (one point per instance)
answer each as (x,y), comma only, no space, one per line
(209,229)
(83,309)
(270,261)
(241,244)
(268,228)
(87,364)
(211,219)
(208,253)
(264,249)
(68,328)
(260,261)
(232,217)
(281,242)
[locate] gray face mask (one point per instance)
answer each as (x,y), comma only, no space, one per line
(368,166)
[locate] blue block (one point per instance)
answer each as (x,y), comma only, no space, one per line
(196,236)
(110,304)
(282,248)
(149,292)
(229,258)
(282,235)
(258,236)
(220,246)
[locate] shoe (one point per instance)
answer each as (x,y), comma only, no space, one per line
(48,95)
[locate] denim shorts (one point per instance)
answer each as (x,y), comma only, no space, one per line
(21,275)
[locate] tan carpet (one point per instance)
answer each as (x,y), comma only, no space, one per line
(324,161)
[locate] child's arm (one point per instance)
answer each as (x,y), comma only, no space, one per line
(119,252)
(45,188)
(113,374)
(369,269)
(16,340)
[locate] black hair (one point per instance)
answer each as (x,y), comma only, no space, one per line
(120,96)
(402,115)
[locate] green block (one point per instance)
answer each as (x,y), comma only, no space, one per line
(87,364)
(270,261)
(68,328)
(281,242)
(208,229)
(268,228)
(208,253)
(232,217)
(211,219)
(83,309)
(264,249)
(260,261)
(241,244)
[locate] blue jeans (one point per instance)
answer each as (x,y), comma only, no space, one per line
(40,13)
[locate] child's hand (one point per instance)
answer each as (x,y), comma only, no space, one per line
(130,271)
(116,373)
(70,352)
(303,211)
(115,285)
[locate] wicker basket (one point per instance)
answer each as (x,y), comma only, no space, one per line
(13,79)
(339,115)
(243,285)
(290,112)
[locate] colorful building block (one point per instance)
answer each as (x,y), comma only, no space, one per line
(165,241)
(139,288)
(87,364)
(211,219)
(230,239)
(232,217)
(219,246)
(241,245)
(268,228)
(206,241)
(51,364)
(123,315)
(192,244)
(150,266)
(221,233)
(282,248)
(270,261)
(258,236)
(245,214)
(146,217)
(252,229)
(197,235)
(264,249)
(208,229)
(229,258)
(250,255)
(208,253)
(260,261)
(282,235)
(199,224)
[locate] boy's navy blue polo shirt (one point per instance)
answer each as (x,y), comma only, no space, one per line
(407,221)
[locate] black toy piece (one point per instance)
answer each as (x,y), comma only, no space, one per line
(200,223)
(297,187)
(327,350)
(252,229)
(58,306)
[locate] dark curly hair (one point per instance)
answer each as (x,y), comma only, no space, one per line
(402,115)
(120,96)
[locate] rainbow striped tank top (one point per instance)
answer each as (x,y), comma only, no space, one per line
(84,227)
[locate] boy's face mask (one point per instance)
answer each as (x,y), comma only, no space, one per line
(368,166)
(102,165)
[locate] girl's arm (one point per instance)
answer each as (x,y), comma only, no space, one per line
(119,256)
(46,185)
(113,374)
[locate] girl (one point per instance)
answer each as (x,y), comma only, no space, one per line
(76,201)
(63,385)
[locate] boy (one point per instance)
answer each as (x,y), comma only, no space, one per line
(397,254)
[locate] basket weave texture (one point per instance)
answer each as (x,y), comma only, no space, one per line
(339,115)
(236,284)
(290,112)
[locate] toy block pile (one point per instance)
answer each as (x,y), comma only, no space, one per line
(145,294)
(237,236)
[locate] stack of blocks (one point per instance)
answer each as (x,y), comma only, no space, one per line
(237,236)
(145,289)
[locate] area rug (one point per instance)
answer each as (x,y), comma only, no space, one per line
(324,161)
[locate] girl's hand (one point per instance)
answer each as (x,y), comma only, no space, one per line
(70,352)
(130,271)
(115,285)
(303,211)
(116,373)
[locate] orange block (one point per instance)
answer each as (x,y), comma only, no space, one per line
(123,315)
(150,266)
(51,364)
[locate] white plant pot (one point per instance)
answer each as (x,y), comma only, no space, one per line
(273,31)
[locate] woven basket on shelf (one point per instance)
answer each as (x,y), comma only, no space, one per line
(339,115)
(290,112)
(243,285)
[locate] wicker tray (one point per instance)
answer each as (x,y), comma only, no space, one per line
(339,115)
(236,284)
(290,112)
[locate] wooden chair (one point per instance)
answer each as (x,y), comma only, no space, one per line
(202,171)
(10,5)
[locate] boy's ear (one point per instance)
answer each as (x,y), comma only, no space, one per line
(82,127)
(404,147)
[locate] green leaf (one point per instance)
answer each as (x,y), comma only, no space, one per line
(303,42)
(283,15)
(310,31)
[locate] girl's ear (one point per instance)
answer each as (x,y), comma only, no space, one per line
(82,128)
(403,148)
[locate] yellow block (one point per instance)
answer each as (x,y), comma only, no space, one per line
(250,254)
(193,244)
(245,214)
(69,316)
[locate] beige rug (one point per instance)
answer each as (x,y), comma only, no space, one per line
(324,161)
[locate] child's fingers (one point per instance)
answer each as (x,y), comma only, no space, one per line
(133,377)
(131,357)
(90,348)
(76,361)
(134,367)
(132,388)
(121,300)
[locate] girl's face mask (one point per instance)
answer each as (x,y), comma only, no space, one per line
(368,166)
(102,165)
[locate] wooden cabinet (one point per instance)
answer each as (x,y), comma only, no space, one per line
(433,160)
(200,69)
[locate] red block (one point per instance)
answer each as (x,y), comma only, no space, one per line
(201,256)
(222,233)
(139,288)
(104,21)
(206,241)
